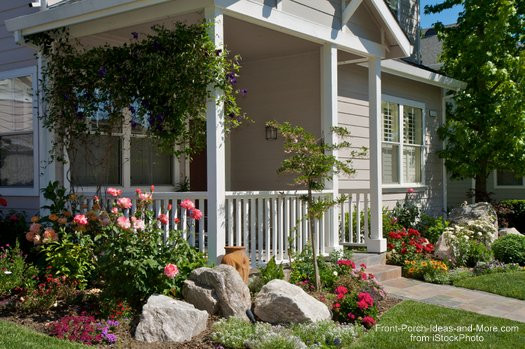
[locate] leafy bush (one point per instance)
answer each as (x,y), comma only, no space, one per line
(390,223)
(407,213)
(459,273)
(432,227)
(13,226)
(327,334)
(511,213)
(407,245)
(47,294)
(510,249)
(14,271)
(477,252)
(267,273)
(429,270)
(232,332)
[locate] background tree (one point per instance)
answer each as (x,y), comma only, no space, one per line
(485,131)
(313,164)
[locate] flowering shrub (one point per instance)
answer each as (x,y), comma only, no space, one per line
(85,329)
(14,271)
(356,296)
(407,244)
(407,213)
(466,242)
(429,270)
(135,259)
(49,291)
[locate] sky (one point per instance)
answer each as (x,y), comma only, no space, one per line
(446,17)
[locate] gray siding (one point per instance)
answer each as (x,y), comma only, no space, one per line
(353,113)
(13,56)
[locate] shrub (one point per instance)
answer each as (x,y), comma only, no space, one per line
(429,270)
(511,213)
(407,213)
(327,333)
(47,294)
(407,244)
(477,252)
(13,226)
(232,332)
(267,273)
(459,273)
(510,249)
(432,227)
(84,329)
(494,267)
(14,271)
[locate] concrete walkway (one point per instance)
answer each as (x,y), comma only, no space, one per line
(457,297)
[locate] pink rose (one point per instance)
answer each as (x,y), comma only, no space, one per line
(145,197)
(152,188)
(171,270)
(163,218)
(124,203)
(114,210)
(114,192)
(80,219)
(35,227)
(138,191)
(410,190)
(196,214)
(123,222)
(351,316)
(138,224)
(187,204)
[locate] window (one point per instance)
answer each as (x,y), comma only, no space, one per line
(402,142)
(124,158)
(18,172)
(508,179)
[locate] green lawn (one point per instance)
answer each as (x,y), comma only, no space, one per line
(411,314)
(510,284)
(13,336)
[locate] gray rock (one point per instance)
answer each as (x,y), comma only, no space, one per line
(281,302)
(165,319)
(231,296)
(508,231)
(442,250)
(468,213)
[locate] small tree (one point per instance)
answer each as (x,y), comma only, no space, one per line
(312,163)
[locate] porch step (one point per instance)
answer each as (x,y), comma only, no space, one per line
(385,272)
(370,259)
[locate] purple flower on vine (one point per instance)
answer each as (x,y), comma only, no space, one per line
(102,71)
(135,35)
(232,78)
(243,92)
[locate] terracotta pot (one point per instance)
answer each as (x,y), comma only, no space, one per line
(237,258)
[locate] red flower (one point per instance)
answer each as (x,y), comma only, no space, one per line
(362,305)
(364,276)
(403,250)
(362,265)
(337,306)
(390,246)
(3,202)
(341,290)
(413,232)
(368,321)
(351,316)
(176,220)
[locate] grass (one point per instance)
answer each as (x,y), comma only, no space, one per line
(410,313)
(13,336)
(509,284)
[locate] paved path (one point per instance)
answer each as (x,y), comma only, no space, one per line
(457,297)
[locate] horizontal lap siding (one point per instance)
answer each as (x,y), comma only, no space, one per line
(353,114)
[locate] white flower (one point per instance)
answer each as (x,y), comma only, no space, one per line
(7,272)
(335,273)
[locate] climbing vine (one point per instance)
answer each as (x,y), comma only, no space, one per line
(158,83)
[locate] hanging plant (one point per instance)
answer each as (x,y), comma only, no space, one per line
(159,82)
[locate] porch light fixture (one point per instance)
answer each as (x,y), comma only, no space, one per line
(271,133)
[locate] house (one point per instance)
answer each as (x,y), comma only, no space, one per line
(316,63)
(501,184)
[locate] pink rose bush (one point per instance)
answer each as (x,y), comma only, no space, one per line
(124,203)
(171,270)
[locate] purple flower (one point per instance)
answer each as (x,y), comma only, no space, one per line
(218,52)
(243,92)
(135,35)
(102,71)
(113,323)
(111,338)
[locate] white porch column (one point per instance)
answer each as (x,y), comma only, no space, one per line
(329,119)
(375,243)
(215,142)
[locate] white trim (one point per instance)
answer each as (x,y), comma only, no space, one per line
(349,10)
(444,143)
(34,190)
(411,72)
(415,104)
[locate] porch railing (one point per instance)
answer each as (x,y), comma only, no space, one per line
(355,217)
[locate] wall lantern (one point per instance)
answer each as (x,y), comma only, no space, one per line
(271,133)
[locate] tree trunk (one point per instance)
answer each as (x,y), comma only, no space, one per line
(481,193)
(311,223)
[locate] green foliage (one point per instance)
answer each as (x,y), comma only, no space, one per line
(327,334)
(485,50)
(303,273)
(13,226)
(494,266)
(408,212)
(232,332)
(162,79)
(58,196)
(271,271)
(432,227)
(390,222)
(72,256)
(511,213)
(459,273)
(510,249)
(477,252)
(14,271)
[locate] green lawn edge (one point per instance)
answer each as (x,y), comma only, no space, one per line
(509,284)
(13,336)
(411,313)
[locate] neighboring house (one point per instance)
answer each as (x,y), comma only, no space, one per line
(316,63)
(501,184)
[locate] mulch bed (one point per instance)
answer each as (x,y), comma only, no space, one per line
(39,322)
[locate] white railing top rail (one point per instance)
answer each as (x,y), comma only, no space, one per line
(272,193)
(156,195)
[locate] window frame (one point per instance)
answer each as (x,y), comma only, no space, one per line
(125,136)
(401,102)
(34,190)
(498,186)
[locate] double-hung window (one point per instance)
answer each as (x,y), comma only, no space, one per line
(403,145)
(18,136)
(507,179)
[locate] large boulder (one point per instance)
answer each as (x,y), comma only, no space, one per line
(443,250)
(280,302)
(508,231)
(465,214)
(165,319)
(218,290)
